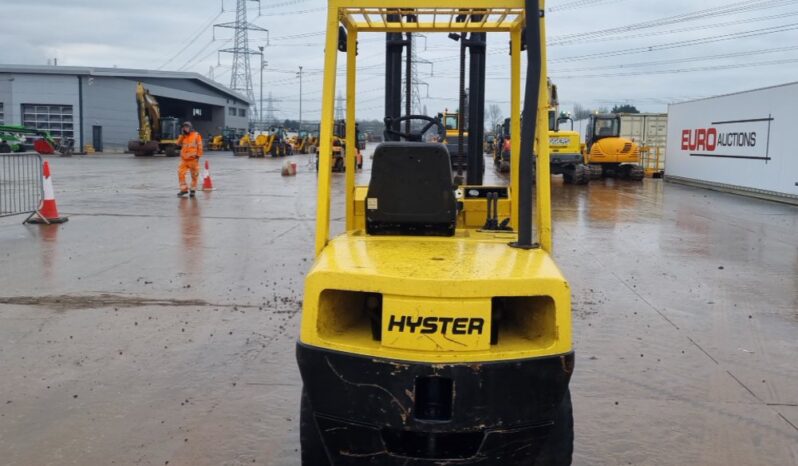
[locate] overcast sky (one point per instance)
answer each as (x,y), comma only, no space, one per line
(602,52)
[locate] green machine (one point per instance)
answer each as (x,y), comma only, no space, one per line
(12,139)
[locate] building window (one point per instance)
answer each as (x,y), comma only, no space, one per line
(2,114)
(231,111)
(242,112)
(196,112)
(55,119)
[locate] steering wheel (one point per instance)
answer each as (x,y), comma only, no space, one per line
(394,135)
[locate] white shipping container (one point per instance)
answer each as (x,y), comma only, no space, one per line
(647,129)
(740,142)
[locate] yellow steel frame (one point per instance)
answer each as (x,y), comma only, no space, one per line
(432,16)
(398,267)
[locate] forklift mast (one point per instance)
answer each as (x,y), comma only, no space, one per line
(476,44)
(395,44)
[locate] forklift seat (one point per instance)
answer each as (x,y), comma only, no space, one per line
(411,191)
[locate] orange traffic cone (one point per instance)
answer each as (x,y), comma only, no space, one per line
(48,210)
(207,183)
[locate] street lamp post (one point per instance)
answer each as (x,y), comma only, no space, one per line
(300,99)
(260,103)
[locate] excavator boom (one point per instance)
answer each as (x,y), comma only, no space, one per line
(151,138)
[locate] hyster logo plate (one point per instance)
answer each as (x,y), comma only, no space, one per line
(436,324)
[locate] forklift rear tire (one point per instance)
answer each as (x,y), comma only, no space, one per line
(4,148)
(313,453)
(559,447)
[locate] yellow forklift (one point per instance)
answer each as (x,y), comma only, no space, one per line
(437,328)
(157,134)
(607,154)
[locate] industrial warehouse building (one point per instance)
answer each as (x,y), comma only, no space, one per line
(97,106)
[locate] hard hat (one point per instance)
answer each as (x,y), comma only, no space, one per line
(187,123)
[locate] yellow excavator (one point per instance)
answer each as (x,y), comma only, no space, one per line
(607,154)
(436,329)
(566,151)
(157,134)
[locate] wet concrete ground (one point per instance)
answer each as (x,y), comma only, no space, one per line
(156,330)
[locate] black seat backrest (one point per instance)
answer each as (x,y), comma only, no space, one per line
(411,191)
(606,131)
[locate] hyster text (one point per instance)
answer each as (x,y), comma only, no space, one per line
(443,325)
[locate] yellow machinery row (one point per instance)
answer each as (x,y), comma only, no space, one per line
(604,153)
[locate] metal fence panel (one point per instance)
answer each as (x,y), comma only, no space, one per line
(21,188)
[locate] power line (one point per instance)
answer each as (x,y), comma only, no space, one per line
(579,4)
(296,12)
(192,40)
(678,60)
(201,50)
(731,9)
(194,59)
(682,43)
(734,8)
(682,70)
(684,29)
(299,36)
(675,61)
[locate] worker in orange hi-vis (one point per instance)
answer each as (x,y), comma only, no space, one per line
(190,143)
